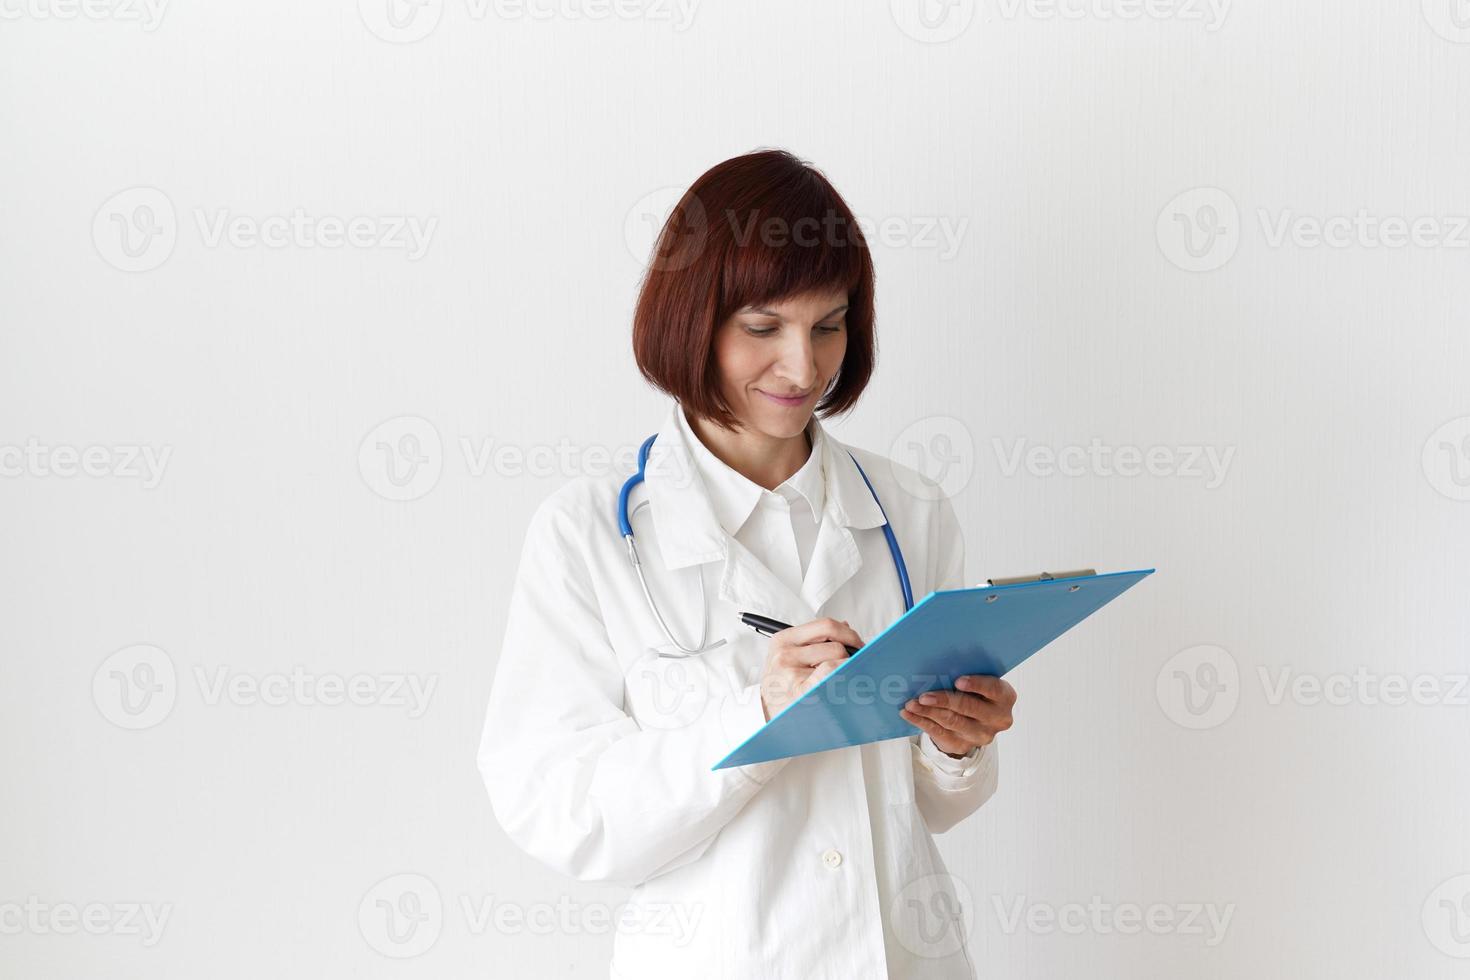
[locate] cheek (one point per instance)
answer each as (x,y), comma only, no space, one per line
(832,354)
(739,360)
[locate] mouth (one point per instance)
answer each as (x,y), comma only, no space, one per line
(788,402)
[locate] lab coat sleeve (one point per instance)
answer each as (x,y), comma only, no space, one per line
(947,790)
(572,778)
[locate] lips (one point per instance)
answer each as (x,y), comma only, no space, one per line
(786,400)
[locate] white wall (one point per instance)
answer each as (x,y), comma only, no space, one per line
(1332,541)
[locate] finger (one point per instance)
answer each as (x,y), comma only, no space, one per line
(946,740)
(991,718)
(821,671)
(951,721)
(820,630)
(922,723)
(974,730)
(811,654)
(972,705)
(988,687)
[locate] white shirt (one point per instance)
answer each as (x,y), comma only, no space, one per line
(597,752)
(780,526)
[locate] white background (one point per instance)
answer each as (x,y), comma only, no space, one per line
(1083,299)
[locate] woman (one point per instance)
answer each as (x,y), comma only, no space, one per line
(755,315)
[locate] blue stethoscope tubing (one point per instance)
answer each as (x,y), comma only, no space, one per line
(625,526)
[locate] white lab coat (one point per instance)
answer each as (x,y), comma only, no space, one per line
(597,753)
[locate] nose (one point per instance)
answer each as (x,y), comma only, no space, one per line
(796,365)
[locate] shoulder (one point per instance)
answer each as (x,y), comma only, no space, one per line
(909,490)
(579,508)
(922,515)
(571,537)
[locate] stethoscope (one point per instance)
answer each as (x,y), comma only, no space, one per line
(626,526)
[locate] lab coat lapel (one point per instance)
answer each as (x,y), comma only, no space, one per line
(849,504)
(835,559)
(750,586)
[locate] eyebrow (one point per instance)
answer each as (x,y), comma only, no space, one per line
(765,312)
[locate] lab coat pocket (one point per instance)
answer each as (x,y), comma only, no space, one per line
(668,693)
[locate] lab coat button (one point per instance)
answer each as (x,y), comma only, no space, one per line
(831,857)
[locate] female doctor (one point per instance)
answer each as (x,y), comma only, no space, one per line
(617,691)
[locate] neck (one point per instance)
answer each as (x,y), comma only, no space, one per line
(767,461)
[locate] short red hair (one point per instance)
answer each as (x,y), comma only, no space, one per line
(756,229)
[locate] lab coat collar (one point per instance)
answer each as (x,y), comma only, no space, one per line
(734,497)
(690,532)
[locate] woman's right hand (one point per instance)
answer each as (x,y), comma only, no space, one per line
(799,657)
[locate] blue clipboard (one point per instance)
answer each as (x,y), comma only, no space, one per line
(951,632)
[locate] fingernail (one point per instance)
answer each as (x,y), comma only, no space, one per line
(928,699)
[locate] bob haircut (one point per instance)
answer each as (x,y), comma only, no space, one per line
(757,229)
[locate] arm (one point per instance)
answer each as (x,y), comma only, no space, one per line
(572,777)
(948,789)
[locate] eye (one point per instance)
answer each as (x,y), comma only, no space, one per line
(760,329)
(830,327)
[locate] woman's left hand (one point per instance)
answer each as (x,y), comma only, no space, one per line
(964,718)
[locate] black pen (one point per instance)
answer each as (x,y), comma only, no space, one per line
(765,626)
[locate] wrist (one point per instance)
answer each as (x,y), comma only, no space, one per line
(953,755)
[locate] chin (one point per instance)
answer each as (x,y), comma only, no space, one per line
(783,427)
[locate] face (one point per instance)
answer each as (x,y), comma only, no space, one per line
(777,359)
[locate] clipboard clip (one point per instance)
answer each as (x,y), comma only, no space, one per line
(1043,577)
